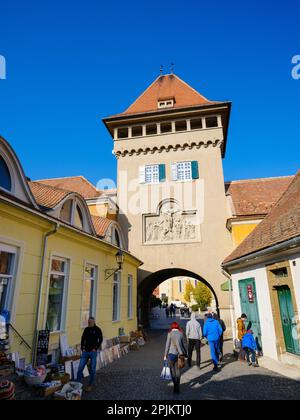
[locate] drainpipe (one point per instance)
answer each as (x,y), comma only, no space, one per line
(40,295)
(233,324)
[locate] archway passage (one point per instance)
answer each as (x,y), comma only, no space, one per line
(151,282)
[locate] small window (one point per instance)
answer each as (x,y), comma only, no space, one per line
(89,294)
(166,127)
(152,174)
(184,171)
(66,211)
(130,297)
(116,238)
(196,124)
(7,281)
(166,104)
(5,178)
(280,272)
(137,131)
(151,129)
(116,298)
(123,133)
(181,125)
(78,218)
(57,295)
(212,122)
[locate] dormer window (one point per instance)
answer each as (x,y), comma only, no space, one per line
(71,213)
(5,178)
(167,103)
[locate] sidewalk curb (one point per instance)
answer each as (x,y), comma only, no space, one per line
(289,371)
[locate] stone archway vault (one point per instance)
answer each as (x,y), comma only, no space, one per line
(153,280)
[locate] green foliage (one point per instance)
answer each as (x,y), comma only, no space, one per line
(195,308)
(202,296)
(189,289)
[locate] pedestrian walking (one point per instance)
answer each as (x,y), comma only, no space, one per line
(250,347)
(223,326)
(172,310)
(91,342)
(194,334)
(212,332)
(167,312)
(241,328)
(175,353)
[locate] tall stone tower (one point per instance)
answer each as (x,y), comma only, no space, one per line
(170,144)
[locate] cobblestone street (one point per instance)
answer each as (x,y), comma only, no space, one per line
(137,377)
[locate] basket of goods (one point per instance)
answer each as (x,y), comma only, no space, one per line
(70,392)
(7,391)
(35,377)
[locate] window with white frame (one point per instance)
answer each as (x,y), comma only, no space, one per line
(57,295)
(130,297)
(152,174)
(8,257)
(89,302)
(185,171)
(169,103)
(116,297)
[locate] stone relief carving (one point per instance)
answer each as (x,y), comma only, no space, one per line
(170,225)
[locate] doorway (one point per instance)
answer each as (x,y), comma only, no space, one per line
(288,320)
(249,306)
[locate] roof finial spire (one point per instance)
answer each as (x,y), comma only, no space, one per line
(161,70)
(172,68)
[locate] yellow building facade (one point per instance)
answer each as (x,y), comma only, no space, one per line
(55,274)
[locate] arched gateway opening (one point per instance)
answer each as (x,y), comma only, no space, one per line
(151,282)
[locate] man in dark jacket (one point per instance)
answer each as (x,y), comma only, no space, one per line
(91,342)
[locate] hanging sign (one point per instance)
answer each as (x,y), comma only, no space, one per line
(250,293)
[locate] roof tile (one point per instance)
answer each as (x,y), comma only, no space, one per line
(282,224)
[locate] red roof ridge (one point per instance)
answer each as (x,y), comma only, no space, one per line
(241,181)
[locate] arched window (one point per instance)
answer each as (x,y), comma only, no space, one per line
(5,178)
(66,211)
(78,218)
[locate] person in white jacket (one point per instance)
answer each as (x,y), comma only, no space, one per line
(194,334)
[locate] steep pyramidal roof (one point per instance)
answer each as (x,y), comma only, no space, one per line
(167,87)
(282,224)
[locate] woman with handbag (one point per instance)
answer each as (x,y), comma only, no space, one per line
(175,354)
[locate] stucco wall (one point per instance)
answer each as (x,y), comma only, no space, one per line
(259,273)
(25,231)
(204,257)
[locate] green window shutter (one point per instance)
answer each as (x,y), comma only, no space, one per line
(195,170)
(162,173)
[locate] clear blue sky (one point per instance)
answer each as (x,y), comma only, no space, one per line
(70,63)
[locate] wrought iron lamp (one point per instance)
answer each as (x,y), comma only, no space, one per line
(120,261)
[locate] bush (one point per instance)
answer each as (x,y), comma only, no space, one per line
(202,296)
(195,308)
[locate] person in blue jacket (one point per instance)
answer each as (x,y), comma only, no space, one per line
(250,347)
(213,332)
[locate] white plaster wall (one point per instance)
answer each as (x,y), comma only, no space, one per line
(295,269)
(259,273)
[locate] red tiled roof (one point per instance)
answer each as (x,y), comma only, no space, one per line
(256,196)
(167,87)
(101,225)
(282,224)
(46,195)
(78,184)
